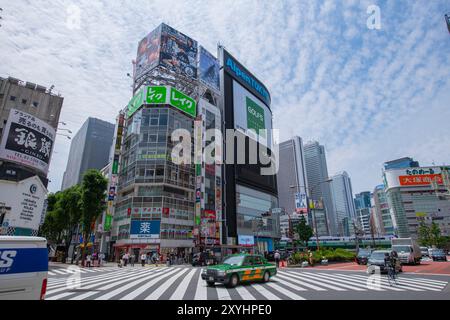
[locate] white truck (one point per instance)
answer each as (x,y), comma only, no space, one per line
(407,249)
(23,268)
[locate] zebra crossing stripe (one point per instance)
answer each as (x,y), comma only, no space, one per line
(371,283)
(149,284)
(59,271)
(412,284)
(338,282)
(385,281)
(63,282)
(121,289)
(222,293)
(244,293)
(162,288)
(87,284)
(302,277)
(290,285)
(266,293)
(351,282)
(201,291)
(179,293)
(292,278)
(290,294)
(439,284)
(112,283)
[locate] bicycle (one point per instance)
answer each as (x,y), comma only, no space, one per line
(392,275)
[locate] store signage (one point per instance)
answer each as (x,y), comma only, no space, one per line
(240,73)
(145,229)
(255,116)
(421,179)
(161,95)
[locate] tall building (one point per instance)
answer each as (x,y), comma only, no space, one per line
(29,116)
(89,149)
(250,190)
(414,196)
(344,206)
(363,209)
(319,189)
(401,163)
(291,178)
(382,211)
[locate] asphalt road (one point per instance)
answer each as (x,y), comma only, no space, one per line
(185,283)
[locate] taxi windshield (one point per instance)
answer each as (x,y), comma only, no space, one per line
(234,261)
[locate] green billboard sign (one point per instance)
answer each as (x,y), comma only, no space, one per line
(255,116)
(159,95)
(108,222)
(183,102)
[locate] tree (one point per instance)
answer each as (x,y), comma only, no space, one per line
(424,234)
(70,203)
(93,194)
(304,231)
(53,227)
(436,238)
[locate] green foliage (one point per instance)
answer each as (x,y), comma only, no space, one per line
(304,231)
(93,194)
(327,254)
(431,235)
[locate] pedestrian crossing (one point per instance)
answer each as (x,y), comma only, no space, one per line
(185,283)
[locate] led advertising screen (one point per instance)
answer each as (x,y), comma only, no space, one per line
(209,68)
(251,115)
(27,140)
(178,52)
(148,52)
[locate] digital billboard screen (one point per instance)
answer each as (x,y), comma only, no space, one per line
(209,69)
(178,52)
(148,52)
(251,115)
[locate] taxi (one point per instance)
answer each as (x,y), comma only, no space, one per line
(239,268)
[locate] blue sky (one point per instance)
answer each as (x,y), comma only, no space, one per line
(368,95)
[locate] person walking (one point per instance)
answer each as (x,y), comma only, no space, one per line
(88,260)
(277,257)
(143,259)
(125,259)
(132,258)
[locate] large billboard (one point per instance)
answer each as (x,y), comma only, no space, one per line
(411,177)
(26,199)
(178,52)
(27,140)
(148,52)
(251,115)
(209,68)
(156,95)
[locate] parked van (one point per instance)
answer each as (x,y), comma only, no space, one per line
(407,249)
(23,268)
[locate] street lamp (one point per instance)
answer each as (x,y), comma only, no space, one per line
(65,135)
(311,189)
(65,130)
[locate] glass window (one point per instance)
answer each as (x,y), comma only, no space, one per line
(163,120)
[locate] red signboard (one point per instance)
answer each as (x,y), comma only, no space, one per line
(421,179)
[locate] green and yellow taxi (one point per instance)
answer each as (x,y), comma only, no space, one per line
(239,268)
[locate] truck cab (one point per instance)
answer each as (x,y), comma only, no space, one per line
(23,268)
(407,250)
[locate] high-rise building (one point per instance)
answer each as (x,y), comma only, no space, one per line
(29,116)
(344,206)
(89,149)
(416,195)
(250,191)
(363,208)
(319,188)
(382,211)
(291,178)
(401,163)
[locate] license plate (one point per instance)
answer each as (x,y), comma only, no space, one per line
(211,278)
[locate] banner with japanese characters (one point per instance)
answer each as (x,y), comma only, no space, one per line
(27,140)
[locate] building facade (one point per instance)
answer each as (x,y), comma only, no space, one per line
(29,116)
(363,210)
(416,195)
(405,162)
(344,206)
(382,211)
(89,149)
(319,189)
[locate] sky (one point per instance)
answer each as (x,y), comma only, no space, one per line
(368,94)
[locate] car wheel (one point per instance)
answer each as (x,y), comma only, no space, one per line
(234,280)
(210,283)
(266,276)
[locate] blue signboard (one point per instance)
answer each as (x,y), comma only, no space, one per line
(23,260)
(145,229)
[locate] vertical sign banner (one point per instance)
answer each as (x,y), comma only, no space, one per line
(27,140)
(209,68)
(301,205)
